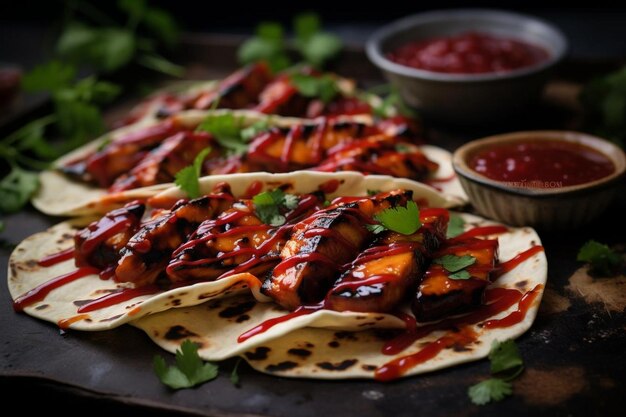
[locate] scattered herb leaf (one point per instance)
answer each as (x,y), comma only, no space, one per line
(454,263)
(492,389)
(375,228)
(252,131)
(16,189)
(462,274)
(189,371)
(269,203)
(323,87)
(404,220)
(51,76)
(372,192)
(316,47)
(505,358)
(603,260)
(267,45)
(456,226)
(187,178)
(234,375)
(226,129)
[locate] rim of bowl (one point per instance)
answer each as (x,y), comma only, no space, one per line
(374,51)
(606,148)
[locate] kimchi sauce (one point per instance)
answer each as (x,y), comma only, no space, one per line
(542,163)
(469,53)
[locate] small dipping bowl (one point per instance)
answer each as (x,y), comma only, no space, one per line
(546,203)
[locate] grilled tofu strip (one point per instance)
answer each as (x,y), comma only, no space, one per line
(147,253)
(439,296)
(237,241)
(389,271)
(99,244)
(162,163)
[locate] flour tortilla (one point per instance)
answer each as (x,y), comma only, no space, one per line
(332,345)
(60,195)
(24,274)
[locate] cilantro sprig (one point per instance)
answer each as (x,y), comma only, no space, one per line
(323,87)
(403,220)
(268,205)
(456,265)
(506,365)
(230,131)
(189,370)
(269,44)
(603,260)
(456,226)
(188,178)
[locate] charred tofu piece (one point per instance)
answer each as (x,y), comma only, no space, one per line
(311,258)
(379,154)
(120,156)
(147,253)
(163,162)
(238,91)
(236,241)
(100,243)
(303,145)
(439,295)
(388,273)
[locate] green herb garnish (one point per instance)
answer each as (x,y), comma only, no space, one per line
(403,220)
(316,47)
(603,260)
(189,370)
(187,178)
(456,265)
(229,131)
(506,365)
(456,226)
(268,205)
(234,375)
(323,87)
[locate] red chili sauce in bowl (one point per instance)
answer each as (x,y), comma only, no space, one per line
(542,163)
(469,53)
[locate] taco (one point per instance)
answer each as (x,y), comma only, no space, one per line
(302,275)
(138,160)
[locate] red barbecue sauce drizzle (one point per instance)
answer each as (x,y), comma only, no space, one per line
(253,189)
(41,291)
(118,297)
(509,265)
(56,258)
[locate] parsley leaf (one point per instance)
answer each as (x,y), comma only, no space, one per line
(603,260)
(189,370)
(268,45)
(456,226)
(227,131)
(324,87)
(316,46)
(493,389)
(16,189)
(375,228)
(254,130)
(505,359)
(51,76)
(404,220)
(268,204)
(462,274)
(454,263)
(372,192)
(234,376)
(187,178)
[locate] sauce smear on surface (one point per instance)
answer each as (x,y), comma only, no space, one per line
(469,53)
(542,164)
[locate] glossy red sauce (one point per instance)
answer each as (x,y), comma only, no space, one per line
(56,258)
(41,291)
(469,53)
(542,163)
(118,297)
(268,324)
(518,315)
(509,265)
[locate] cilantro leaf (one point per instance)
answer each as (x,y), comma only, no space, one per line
(462,274)
(187,178)
(320,47)
(157,63)
(226,129)
(268,204)
(267,45)
(456,226)
(234,376)
(603,260)
(162,25)
(305,25)
(404,220)
(505,359)
(454,263)
(325,87)
(375,228)
(372,192)
(51,76)
(16,189)
(254,130)
(493,389)
(189,370)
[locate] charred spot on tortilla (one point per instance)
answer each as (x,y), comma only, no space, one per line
(281,366)
(237,309)
(259,353)
(178,332)
(369,368)
(117,316)
(521,284)
(345,335)
(461,348)
(369,323)
(31,263)
(242,318)
(339,366)
(42,306)
(80,303)
(303,353)
(333,344)
(176,302)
